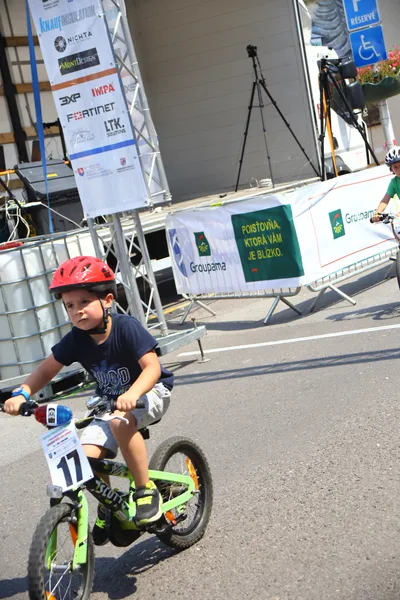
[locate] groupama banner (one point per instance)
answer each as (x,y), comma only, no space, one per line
(91,104)
(279,241)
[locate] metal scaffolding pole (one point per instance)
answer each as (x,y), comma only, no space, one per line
(129,281)
(150,273)
(120,239)
(145,133)
(121,242)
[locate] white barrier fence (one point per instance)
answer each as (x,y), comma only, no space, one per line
(272,245)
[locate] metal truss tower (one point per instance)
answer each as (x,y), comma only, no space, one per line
(120,239)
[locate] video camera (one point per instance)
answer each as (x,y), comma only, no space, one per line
(251,51)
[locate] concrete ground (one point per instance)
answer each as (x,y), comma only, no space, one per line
(299,420)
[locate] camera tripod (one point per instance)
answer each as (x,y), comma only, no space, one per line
(327,70)
(259,85)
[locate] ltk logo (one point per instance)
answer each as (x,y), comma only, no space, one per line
(202,244)
(337,224)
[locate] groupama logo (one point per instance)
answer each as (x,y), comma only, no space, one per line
(202,244)
(337,224)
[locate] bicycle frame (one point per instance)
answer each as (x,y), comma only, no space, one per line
(115,502)
(396,237)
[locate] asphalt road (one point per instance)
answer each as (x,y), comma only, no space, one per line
(303,442)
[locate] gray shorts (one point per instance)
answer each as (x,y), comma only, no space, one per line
(99,433)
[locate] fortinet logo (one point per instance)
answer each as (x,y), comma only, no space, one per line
(102,90)
(91,112)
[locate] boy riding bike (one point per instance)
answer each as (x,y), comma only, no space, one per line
(392,159)
(120,355)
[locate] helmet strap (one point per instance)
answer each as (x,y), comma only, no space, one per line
(103,327)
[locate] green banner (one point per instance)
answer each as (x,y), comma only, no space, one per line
(267,244)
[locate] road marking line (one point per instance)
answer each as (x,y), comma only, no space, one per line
(171,309)
(294,340)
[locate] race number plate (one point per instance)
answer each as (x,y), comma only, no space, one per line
(67,461)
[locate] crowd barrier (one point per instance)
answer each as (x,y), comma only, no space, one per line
(278,296)
(270,246)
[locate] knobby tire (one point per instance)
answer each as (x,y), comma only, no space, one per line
(176,445)
(398,267)
(37,555)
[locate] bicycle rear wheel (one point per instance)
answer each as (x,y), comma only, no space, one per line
(53,578)
(181,455)
(398,267)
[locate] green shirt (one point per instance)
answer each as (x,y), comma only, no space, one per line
(394,187)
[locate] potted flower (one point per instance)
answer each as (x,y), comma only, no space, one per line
(381,81)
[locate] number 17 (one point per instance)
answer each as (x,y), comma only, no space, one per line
(63,464)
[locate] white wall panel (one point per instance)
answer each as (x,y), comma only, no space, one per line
(198,78)
(13,23)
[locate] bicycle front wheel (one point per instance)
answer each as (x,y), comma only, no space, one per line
(50,573)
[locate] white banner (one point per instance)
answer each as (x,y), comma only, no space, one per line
(333,221)
(91,105)
(275,241)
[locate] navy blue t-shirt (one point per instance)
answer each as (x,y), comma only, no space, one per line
(114,363)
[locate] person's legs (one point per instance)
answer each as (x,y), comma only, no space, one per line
(99,533)
(131,443)
(132,446)
(145,495)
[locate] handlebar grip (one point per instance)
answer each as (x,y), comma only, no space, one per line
(140,403)
(25,410)
(382,217)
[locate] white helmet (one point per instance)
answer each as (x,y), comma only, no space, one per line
(393,156)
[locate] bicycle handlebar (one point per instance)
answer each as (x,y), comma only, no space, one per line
(104,405)
(384,218)
(25,410)
(110,404)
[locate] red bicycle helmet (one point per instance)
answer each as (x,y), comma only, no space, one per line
(83,272)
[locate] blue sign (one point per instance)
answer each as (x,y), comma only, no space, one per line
(361,13)
(368,46)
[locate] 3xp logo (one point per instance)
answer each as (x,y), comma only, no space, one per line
(337,224)
(202,244)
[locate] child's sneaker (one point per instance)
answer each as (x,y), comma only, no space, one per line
(148,504)
(99,533)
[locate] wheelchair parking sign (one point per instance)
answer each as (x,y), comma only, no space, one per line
(368,46)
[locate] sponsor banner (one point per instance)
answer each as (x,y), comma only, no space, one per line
(235,247)
(273,241)
(91,104)
(333,221)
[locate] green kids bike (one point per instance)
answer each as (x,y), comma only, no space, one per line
(61,560)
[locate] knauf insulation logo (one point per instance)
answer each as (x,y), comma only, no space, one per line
(202,244)
(337,224)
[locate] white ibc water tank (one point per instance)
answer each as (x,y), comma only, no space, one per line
(31,322)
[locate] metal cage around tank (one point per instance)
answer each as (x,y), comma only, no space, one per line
(31,320)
